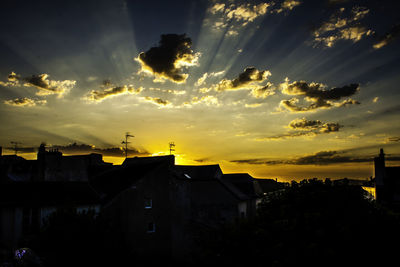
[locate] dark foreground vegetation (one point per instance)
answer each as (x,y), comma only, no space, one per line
(310,223)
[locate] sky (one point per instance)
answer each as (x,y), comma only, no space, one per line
(286,89)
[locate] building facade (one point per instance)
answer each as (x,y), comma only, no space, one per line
(387,181)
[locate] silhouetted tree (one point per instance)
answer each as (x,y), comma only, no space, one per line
(311,223)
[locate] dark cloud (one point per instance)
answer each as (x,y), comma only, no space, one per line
(394,139)
(40,82)
(317,91)
(75,149)
(48,87)
(291,105)
(250,78)
(317,94)
(351,155)
(22,149)
(24,102)
(84,149)
(249,75)
(389,37)
(304,124)
(168,59)
(327,157)
(158,101)
(287,135)
(319,158)
(203,160)
(100,95)
(306,128)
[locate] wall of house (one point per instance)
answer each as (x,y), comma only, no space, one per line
(181,209)
(10,226)
(66,168)
(128,213)
(212,204)
(181,238)
(45,212)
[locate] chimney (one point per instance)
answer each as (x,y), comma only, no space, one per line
(380,173)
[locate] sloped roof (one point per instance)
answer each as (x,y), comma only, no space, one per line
(234,189)
(115,180)
(170,159)
(244,182)
(200,172)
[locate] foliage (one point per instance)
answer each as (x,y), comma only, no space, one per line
(312,223)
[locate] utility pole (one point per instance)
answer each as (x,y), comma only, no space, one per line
(127,135)
(15,146)
(171,147)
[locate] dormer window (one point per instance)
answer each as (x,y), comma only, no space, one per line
(148,203)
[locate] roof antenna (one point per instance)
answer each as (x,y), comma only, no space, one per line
(15,146)
(171,147)
(127,135)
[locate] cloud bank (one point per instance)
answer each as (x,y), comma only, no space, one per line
(319,158)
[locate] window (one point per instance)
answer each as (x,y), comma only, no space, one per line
(148,203)
(151,227)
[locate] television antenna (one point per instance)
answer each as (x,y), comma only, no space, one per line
(127,135)
(15,146)
(171,147)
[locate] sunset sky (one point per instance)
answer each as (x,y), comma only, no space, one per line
(279,89)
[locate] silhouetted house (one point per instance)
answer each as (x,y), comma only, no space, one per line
(15,168)
(30,190)
(147,201)
(248,186)
(24,206)
(51,166)
(387,181)
(270,187)
(160,208)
